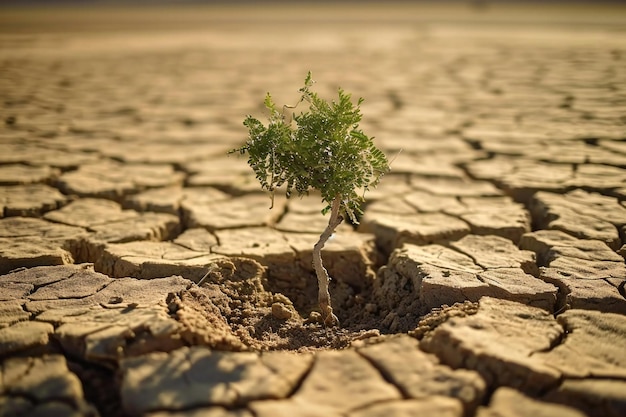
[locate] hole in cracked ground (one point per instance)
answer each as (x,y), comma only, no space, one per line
(277,314)
(622,289)
(283,314)
(98,383)
(274,308)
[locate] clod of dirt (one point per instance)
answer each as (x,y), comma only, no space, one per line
(281,312)
(440,315)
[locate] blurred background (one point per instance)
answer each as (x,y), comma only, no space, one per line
(62,15)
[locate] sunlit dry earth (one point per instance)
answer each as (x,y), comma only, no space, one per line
(487,271)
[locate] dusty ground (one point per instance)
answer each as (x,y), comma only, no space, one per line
(486,276)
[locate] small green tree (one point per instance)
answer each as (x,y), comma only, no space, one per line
(323,150)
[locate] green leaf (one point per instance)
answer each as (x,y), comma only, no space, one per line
(324,151)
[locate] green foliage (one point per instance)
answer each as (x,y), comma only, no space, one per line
(322,148)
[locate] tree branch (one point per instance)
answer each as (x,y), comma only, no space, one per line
(322,274)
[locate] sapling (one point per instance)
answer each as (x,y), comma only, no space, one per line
(321,148)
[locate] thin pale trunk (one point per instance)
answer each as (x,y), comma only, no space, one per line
(322,275)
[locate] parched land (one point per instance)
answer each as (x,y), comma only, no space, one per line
(486,277)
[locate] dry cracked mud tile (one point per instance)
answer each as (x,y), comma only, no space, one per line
(25,336)
(592,347)
(79,283)
(175,153)
(592,350)
(114,180)
(499,216)
(500,342)
(490,169)
(29,200)
(100,319)
(566,130)
(423,120)
(420,376)
(169,199)
(89,212)
(308,204)
(105,335)
(264,244)
(455,187)
(555,152)
(49,283)
(403,294)
(393,230)
(147,259)
(74,142)
(509,402)
(203,195)
(229,174)
(109,223)
(517,285)
(494,252)
(146,226)
(28,242)
(337,383)
(407,143)
(589,274)
(595,205)
(503,148)
(617,146)
(581,214)
(432,406)
(575,152)
(530,177)
(16,174)
(578,225)
(120,292)
(42,386)
(426,202)
(584,269)
(203,412)
(42,275)
(34,155)
(496,215)
(391,205)
(11,310)
(245,211)
(599,178)
(592,294)
(162,200)
(521,179)
(427,166)
(552,244)
(197,239)
(420,278)
(32,251)
(596,397)
(619,193)
(14,290)
(193,377)
(393,186)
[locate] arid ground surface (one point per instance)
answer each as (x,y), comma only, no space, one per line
(486,276)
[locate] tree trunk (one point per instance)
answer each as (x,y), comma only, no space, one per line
(322,275)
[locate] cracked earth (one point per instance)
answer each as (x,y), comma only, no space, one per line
(486,276)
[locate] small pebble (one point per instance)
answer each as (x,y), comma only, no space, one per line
(280,311)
